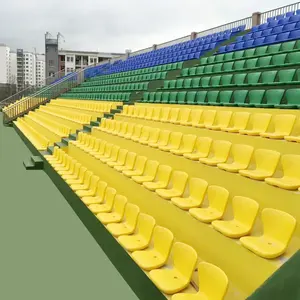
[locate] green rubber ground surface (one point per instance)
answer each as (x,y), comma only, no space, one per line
(45,250)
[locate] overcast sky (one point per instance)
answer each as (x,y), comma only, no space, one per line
(116,25)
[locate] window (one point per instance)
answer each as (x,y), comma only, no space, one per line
(68,58)
(51,62)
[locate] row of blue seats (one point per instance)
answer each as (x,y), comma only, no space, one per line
(271,39)
(286,15)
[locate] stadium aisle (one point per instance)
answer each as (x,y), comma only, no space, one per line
(46,252)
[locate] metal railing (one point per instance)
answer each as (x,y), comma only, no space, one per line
(32,89)
(23,106)
(278,11)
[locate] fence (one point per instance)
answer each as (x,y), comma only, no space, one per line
(279,11)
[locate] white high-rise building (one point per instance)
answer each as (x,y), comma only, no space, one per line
(12,67)
(29,68)
(40,70)
(4,63)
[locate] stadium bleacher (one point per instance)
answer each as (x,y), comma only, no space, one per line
(197,177)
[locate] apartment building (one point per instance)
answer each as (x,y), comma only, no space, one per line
(4,63)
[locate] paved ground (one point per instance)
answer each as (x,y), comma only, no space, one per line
(45,250)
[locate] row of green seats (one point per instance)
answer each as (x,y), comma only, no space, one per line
(284,76)
(281,98)
(270,61)
(111,88)
(160,68)
(98,96)
(253,52)
(145,77)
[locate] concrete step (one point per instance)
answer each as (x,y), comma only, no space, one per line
(28,164)
(60,144)
(95,123)
(73,136)
(87,128)
(38,162)
(65,141)
(116,111)
(108,116)
(50,149)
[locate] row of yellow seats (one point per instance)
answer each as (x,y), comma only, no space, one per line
(220,153)
(95,106)
(255,124)
(68,115)
(151,245)
(191,193)
(38,140)
(57,128)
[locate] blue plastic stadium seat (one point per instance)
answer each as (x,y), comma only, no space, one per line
(289,27)
(277,29)
(294,35)
(270,39)
(280,17)
(267,32)
(295,18)
(263,26)
(289,14)
(281,37)
(258,42)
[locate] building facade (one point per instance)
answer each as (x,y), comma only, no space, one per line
(13,67)
(4,63)
(40,70)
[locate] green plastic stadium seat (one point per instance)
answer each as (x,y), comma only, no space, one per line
(239,65)
(205,81)
(251,63)
(151,97)
(225,98)
(158,97)
(253,78)
(166,84)
(278,60)
(146,97)
(287,46)
(172,84)
(239,97)
(208,69)
(219,58)
(215,81)
(259,51)
(249,53)
(238,79)
(293,58)
(173,97)
(211,59)
(273,49)
(192,71)
(196,82)
(190,98)
(268,77)
(286,77)
(292,99)
(203,61)
(217,68)
(201,97)
(227,67)
(179,83)
(238,54)
(255,97)
(228,56)
(212,98)
(181,98)
(187,83)
(165,97)
(200,70)
(264,62)
(272,98)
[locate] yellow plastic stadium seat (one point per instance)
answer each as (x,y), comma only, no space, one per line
(149,113)
(283,125)
(113,155)
(71,169)
(164,136)
(219,153)
(165,114)
(213,283)
(141,113)
(177,185)
(174,142)
(125,110)
(128,225)
(136,111)
(153,137)
(156,256)
(136,132)
(184,115)
(207,119)
(245,211)
(79,178)
(98,197)
(54,154)
(241,157)
(291,175)
(95,148)
(129,131)
(120,160)
(197,190)
(138,168)
(90,145)
(144,135)
(130,110)
(260,123)
(278,228)
(117,128)
(266,162)
(86,182)
(149,172)
(107,151)
(222,120)
(65,165)
(201,148)
(101,150)
(142,237)
(174,115)
(108,200)
(123,129)
(161,179)
(238,122)
(186,146)
(218,198)
(157,112)
(129,163)
(177,278)
(91,191)
(194,118)
(74,174)
(117,213)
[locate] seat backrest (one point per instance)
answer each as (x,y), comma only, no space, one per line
(223,117)
(108,148)
(291,165)
(188,141)
(163,173)
(261,121)
(256,96)
(174,113)
(163,239)
(140,163)
(149,112)
(151,168)
(197,188)
(184,259)
(240,119)
(213,281)
(122,156)
(195,115)
(93,183)
(203,144)
(114,152)
(217,197)
(82,172)
(130,159)
(221,149)
(110,194)
(137,130)
(165,113)
(101,188)
(242,153)
(292,95)
(184,114)
(145,132)
(130,128)
(179,180)
(175,138)
(164,136)
(131,214)
(208,117)
(145,225)
(266,160)
(284,123)
(274,96)
(120,204)
(156,112)
(278,225)
(245,210)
